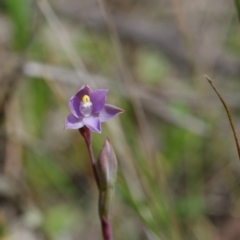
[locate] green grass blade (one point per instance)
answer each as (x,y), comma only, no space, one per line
(237,4)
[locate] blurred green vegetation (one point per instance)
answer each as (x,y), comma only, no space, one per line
(158,196)
(20,13)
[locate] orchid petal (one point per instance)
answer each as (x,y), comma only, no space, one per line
(73,123)
(98,99)
(74,104)
(108,112)
(85,90)
(93,123)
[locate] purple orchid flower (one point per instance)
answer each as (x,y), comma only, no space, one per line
(88,108)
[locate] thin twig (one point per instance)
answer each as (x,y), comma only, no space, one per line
(228,114)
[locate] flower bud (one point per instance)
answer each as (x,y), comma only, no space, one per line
(107,173)
(107,166)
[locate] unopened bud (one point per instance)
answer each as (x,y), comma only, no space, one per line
(107,166)
(107,172)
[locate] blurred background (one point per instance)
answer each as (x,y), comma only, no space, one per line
(179,171)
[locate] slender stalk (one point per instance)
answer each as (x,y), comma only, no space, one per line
(105,210)
(228,114)
(104,194)
(106,229)
(87,135)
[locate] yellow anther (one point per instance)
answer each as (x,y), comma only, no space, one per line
(85,99)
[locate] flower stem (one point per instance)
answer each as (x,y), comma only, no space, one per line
(104,197)
(87,135)
(106,229)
